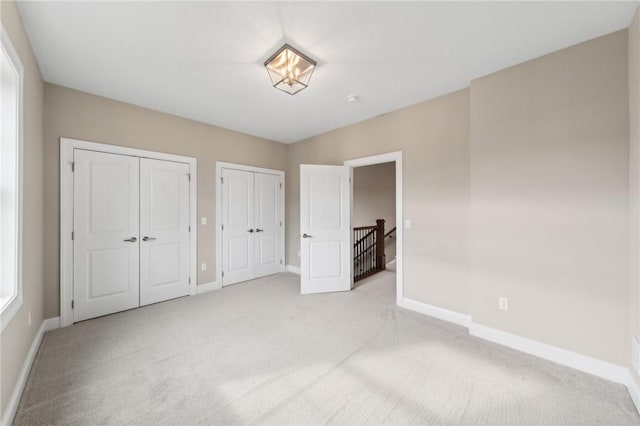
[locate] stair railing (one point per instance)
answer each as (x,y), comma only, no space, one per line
(368,250)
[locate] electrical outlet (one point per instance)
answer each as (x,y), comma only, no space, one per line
(407,224)
(29,320)
(503,303)
(204,221)
(203,267)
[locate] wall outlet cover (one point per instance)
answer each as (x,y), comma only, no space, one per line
(503,303)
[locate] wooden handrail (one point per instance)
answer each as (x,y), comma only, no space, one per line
(388,234)
(360,228)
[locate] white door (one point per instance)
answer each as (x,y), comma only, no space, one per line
(237,219)
(164,230)
(106,237)
(267,225)
(325,228)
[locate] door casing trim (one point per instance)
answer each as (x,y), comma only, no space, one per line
(388,158)
(67,146)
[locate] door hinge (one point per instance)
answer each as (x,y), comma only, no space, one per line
(72,235)
(72,304)
(281,261)
(221,180)
(189,176)
(280,223)
(73,167)
(189,280)
(222,274)
(280,185)
(222,227)
(189,228)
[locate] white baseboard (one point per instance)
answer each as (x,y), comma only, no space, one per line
(603,369)
(207,287)
(436,312)
(293,269)
(12,405)
(596,367)
(634,391)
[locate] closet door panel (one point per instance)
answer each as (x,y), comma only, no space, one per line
(238,220)
(164,230)
(106,234)
(267,222)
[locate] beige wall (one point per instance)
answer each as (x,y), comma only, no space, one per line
(374,197)
(527,173)
(634,181)
(73,114)
(434,139)
(374,194)
(17,337)
(549,198)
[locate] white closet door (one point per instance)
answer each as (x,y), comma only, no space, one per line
(164,230)
(238,232)
(267,240)
(106,238)
(325,226)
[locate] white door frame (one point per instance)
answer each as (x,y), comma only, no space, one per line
(66,213)
(387,158)
(223,165)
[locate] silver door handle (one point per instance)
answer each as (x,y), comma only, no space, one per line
(148,239)
(306,236)
(259,230)
(250,230)
(131,240)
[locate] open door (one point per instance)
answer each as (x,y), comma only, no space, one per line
(325,228)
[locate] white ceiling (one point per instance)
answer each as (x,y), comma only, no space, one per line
(203,60)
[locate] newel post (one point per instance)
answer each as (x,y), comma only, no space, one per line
(380,257)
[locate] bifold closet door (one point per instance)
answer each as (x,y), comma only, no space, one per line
(106,232)
(164,230)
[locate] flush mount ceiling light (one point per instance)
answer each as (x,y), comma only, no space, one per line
(290,70)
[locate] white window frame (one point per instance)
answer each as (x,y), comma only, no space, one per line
(10,307)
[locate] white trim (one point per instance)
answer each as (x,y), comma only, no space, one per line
(207,287)
(13,306)
(603,369)
(436,312)
(66,213)
(634,391)
(293,269)
(596,367)
(635,355)
(14,401)
(223,165)
(387,158)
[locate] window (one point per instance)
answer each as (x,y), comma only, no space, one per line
(11,76)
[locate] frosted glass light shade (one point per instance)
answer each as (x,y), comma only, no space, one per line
(290,70)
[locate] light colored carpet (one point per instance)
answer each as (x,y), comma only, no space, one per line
(258,352)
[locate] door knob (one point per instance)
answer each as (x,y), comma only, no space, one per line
(259,230)
(306,236)
(148,239)
(131,240)
(250,230)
